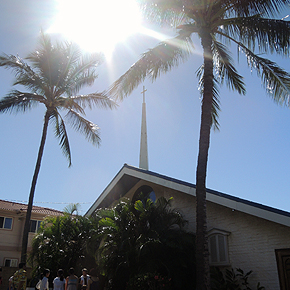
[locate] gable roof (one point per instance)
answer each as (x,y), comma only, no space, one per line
(20,207)
(128,176)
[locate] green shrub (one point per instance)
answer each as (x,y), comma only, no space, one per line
(231,280)
(149,281)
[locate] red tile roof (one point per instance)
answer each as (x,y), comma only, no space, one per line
(20,207)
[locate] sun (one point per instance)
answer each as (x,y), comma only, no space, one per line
(97,25)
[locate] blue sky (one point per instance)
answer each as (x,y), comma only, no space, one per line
(249,157)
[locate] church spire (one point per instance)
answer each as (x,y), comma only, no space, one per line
(143,160)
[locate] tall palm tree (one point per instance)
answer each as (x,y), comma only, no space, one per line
(252,27)
(54,77)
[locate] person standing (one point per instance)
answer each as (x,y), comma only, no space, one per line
(44,285)
(10,283)
(94,282)
(59,281)
(71,282)
(85,277)
(20,278)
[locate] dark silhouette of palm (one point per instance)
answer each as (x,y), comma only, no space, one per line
(248,24)
(145,237)
(53,78)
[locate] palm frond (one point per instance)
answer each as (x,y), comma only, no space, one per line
(69,103)
(95,99)
(61,134)
(83,73)
(269,35)
(250,7)
(24,74)
(87,128)
(163,12)
(161,59)
(17,101)
(225,68)
(275,79)
(72,208)
(215,100)
(73,85)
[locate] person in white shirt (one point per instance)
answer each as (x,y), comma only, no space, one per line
(85,277)
(44,282)
(59,281)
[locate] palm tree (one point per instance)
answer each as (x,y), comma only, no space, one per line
(62,242)
(56,74)
(248,24)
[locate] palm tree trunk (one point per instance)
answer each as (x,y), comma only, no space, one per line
(32,189)
(202,258)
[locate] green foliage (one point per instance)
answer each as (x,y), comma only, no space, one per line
(142,239)
(149,281)
(231,280)
(63,242)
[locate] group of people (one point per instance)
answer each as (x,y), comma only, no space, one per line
(86,282)
(71,282)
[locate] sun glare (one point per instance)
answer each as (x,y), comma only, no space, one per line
(97,25)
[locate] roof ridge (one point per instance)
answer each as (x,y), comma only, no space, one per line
(34,207)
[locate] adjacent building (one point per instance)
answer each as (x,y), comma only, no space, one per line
(12,218)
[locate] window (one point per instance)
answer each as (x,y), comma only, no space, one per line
(283,264)
(11,262)
(143,193)
(218,247)
(34,226)
(5,223)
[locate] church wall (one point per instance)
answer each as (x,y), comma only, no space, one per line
(251,243)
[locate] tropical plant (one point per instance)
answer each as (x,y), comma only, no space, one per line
(250,25)
(72,208)
(63,242)
(141,239)
(149,281)
(231,279)
(54,77)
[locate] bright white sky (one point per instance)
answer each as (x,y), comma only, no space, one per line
(249,157)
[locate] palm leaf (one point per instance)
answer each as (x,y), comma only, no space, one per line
(276,80)
(83,72)
(72,208)
(163,12)
(161,59)
(250,7)
(95,99)
(74,85)
(61,134)
(226,70)
(270,35)
(87,128)
(17,101)
(215,101)
(24,74)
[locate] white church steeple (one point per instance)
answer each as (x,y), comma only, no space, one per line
(143,160)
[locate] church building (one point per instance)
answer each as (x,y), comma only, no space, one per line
(241,234)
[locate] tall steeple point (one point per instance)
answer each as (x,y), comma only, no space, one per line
(143,160)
